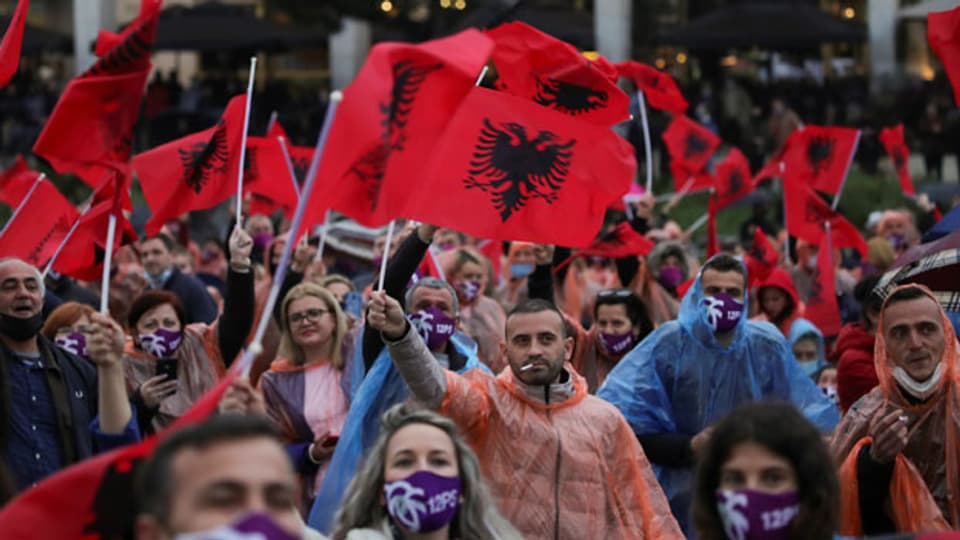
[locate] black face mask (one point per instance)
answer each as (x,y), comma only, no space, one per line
(19,329)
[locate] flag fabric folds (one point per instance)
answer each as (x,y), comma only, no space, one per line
(16,181)
(34,234)
(195,172)
(761,258)
(659,88)
(732,179)
(896,146)
(266,178)
(943,34)
(807,213)
(690,146)
(821,306)
(820,156)
(12,42)
(621,241)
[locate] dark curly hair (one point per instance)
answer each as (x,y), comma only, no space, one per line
(780,428)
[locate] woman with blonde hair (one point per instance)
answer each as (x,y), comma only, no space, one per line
(481,317)
(419,478)
(305,390)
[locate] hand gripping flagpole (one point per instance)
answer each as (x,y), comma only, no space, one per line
(256,346)
(26,199)
(290,169)
(243,138)
(642,104)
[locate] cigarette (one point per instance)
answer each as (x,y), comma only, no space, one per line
(903,418)
(526,367)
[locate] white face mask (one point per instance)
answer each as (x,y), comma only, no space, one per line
(919,390)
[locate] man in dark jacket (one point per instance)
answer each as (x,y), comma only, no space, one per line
(156,256)
(49,398)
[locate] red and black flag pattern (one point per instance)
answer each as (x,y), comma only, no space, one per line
(12,42)
(16,181)
(894,143)
(266,178)
(621,241)
(537,66)
(807,214)
(820,156)
(943,34)
(690,146)
(761,257)
(35,232)
(659,88)
(732,179)
(195,172)
(822,307)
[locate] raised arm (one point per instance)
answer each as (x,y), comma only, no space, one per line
(239,303)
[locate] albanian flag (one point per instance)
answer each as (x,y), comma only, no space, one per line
(690,146)
(537,66)
(621,241)
(390,118)
(195,172)
(732,179)
(761,257)
(40,227)
(90,132)
(896,147)
(94,499)
(807,214)
(943,34)
(821,307)
(773,168)
(16,181)
(820,156)
(266,178)
(12,41)
(507,168)
(659,88)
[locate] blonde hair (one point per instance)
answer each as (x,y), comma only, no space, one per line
(290,350)
(330,279)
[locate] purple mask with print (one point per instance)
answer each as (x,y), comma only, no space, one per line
(257,526)
(75,343)
(670,277)
(423,502)
(469,290)
(754,515)
(722,312)
(262,240)
(617,345)
(897,241)
(162,342)
(434,326)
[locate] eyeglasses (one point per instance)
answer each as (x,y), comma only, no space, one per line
(614,293)
(312,314)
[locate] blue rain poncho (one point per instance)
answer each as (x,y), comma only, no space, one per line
(371,396)
(800,329)
(680,380)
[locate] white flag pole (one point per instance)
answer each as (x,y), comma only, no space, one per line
(290,169)
(26,199)
(385,257)
(107,259)
(646,139)
(323,236)
(243,138)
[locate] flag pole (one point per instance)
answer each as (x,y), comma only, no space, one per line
(107,256)
(483,73)
(273,120)
(836,198)
(385,257)
(697,224)
(256,345)
(323,236)
(243,138)
(26,198)
(286,157)
(641,102)
(66,238)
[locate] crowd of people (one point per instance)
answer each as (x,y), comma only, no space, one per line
(494,393)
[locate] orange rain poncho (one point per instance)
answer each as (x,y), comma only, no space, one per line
(924,491)
(570,469)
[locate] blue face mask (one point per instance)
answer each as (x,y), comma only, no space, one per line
(159,279)
(521,270)
(809,367)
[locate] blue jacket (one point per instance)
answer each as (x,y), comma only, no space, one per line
(371,396)
(802,327)
(680,380)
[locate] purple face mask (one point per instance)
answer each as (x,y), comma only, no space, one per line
(253,526)
(670,277)
(262,240)
(897,241)
(75,343)
(434,326)
(722,312)
(161,343)
(754,515)
(617,345)
(423,501)
(469,290)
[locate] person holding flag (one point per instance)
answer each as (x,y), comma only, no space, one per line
(688,373)
(57,409)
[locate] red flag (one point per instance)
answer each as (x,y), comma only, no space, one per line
(690,145)
(38,229)
(195,172)
(12,40)
(94,498)
(773,168)
(534,65)
(506,168)
(390,118)
(807,213)
(90,132)
(761,258)
(896,147)
(732,179)
(820,156)
(492,250)
(943,33)
(659,88)
(266,178)
(685,286)
(16,181)
(275,129)
(713,243)
(687,181)
(621,241)
(821,307)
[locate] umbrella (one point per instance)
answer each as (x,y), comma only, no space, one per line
(770,26)
(948,224)
(37,39)
(218,27)
(935,265)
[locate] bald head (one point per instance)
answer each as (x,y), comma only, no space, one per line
(21,288)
